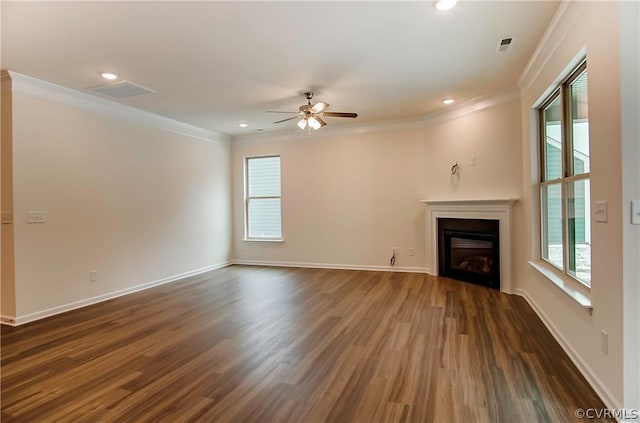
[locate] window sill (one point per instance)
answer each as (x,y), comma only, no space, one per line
(565,286)
(263,240)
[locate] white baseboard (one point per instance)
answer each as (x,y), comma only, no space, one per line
(333,266)
(21,320)
(597,385)
(7,320)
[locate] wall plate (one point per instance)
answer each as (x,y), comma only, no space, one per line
(635,212)
(34,216)
(600,211)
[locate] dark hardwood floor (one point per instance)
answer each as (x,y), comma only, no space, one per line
(298,345)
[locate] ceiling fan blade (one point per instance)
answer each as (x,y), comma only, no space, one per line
(322,122)
(340,114)
(278,111)
(284,120)
(319,106)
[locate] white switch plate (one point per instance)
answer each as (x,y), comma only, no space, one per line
(635,212)
(600,211)
(34,216)
(472,161)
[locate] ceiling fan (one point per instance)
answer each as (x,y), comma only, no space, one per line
(311,115)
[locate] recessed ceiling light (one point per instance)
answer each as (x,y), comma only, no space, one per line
(243,125)
(448,101)
(445,4)
(109,76)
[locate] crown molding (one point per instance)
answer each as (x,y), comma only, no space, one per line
(472,106)
(46,90)
(42,89)
(561,24)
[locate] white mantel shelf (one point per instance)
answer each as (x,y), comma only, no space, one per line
(493,208)
(479,201)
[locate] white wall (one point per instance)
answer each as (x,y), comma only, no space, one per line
(7,282)
(630,96)
(590,27)
(348,196)
(133,202)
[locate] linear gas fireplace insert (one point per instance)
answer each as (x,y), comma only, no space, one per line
(469,250)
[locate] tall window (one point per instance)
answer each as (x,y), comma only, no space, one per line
(262,198)
(565,178)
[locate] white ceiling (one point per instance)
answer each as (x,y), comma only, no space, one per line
(214,64)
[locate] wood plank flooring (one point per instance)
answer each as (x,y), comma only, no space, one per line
(299,345)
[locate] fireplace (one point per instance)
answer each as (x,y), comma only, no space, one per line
(469,250)
(498,209)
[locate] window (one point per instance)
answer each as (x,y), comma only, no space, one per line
(262,198)
(565,178)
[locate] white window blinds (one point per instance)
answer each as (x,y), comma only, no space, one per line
(263,198)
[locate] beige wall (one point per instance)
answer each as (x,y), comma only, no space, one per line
(7,283)
(346,200)
(349,197)
(492,136)
(590,26)
(122,198)
(135,203)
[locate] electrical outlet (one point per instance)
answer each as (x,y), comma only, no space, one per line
(93,276)
(395,251)
(604,342)
(412,251)
(34,216)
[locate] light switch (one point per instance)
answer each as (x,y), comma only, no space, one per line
(600,211)
(34,216)
(635,212)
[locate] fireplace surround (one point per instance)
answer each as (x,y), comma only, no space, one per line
(492,209)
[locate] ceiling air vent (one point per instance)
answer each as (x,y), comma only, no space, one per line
(121,89)
(504,45)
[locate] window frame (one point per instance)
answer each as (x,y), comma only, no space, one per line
(567,174)
(247,199)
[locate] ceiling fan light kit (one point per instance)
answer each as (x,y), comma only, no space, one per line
(311,114)
(443,5)
(109,76)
